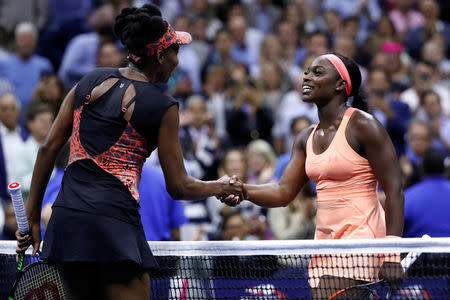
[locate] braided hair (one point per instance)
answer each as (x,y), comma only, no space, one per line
(359,101)
(137,27)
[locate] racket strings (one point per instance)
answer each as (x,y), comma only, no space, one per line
(40,281)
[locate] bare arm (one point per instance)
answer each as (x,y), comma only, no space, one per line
(56,138)
(382,157)
(294,177)
(178,183)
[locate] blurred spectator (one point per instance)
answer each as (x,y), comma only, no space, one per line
(344,44)
(215,84)
(274,87)
(261,162)
(39,119)
(296,14)
(12,136)
(235,227)
(61,11)
(434,51)
(368,12)
(24,68)
(233,163)
(431,112)
(220,53)
(263,14)
(50,90)
(246,41)
(188,59)
(289,45)
(66,20)
(161,216)
(12,13)
(5,86)
(80,56)
(426,212)
(53,186)
(333,24)
(316,45)
(297,125)
(296,220)
(418,140)
(397,63)
(10,227)
(424,78)
(393,114)
(200,44)
(249,119)
(385,30)
(197,136)
(417,37)
(110,56)
(405,18)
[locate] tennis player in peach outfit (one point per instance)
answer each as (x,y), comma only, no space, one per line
(348,153)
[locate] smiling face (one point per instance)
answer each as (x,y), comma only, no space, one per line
(319,82)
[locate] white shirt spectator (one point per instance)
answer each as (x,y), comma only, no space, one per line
(189,62)
(11,142)
(411,98)
(291,107)
(27,152)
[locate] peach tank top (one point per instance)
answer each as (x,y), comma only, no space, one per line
(347,203)
(347,206)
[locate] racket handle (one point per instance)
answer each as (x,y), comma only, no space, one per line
(19,208)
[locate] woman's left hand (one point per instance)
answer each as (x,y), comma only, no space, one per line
(393,273)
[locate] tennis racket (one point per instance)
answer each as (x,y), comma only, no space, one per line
(368,290)
(38,280)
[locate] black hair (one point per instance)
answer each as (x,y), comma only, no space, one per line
(433,162)
(137,27)
(35,108)
(359,101)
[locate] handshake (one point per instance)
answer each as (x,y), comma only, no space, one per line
(233,191)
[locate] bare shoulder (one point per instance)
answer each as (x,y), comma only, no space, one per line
(365,126)
(302,138)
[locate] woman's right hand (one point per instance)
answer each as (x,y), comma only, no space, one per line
(32,238)
(233,191)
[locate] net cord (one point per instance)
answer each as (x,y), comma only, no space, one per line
(284,247)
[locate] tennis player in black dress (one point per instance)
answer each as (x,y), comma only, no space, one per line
(114,118)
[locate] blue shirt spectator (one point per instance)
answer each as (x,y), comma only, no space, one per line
(427,202)
(79,58)
(24,75)
(159,212)
(51,192)
(24,68)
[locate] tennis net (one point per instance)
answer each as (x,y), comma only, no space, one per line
(285,269)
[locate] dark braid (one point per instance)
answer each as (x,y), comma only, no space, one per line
(137,27)
(359,101)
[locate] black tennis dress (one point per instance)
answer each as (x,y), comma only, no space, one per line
(95,216)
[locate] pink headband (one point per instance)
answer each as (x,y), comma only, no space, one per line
(342,70)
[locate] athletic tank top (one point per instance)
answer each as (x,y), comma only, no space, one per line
(347,207)
(107,152)
(347,203)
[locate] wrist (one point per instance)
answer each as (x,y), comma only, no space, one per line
(390,236)
(392,257)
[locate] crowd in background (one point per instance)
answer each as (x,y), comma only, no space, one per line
(237,85)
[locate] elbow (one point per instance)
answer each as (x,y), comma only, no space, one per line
(176,192)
